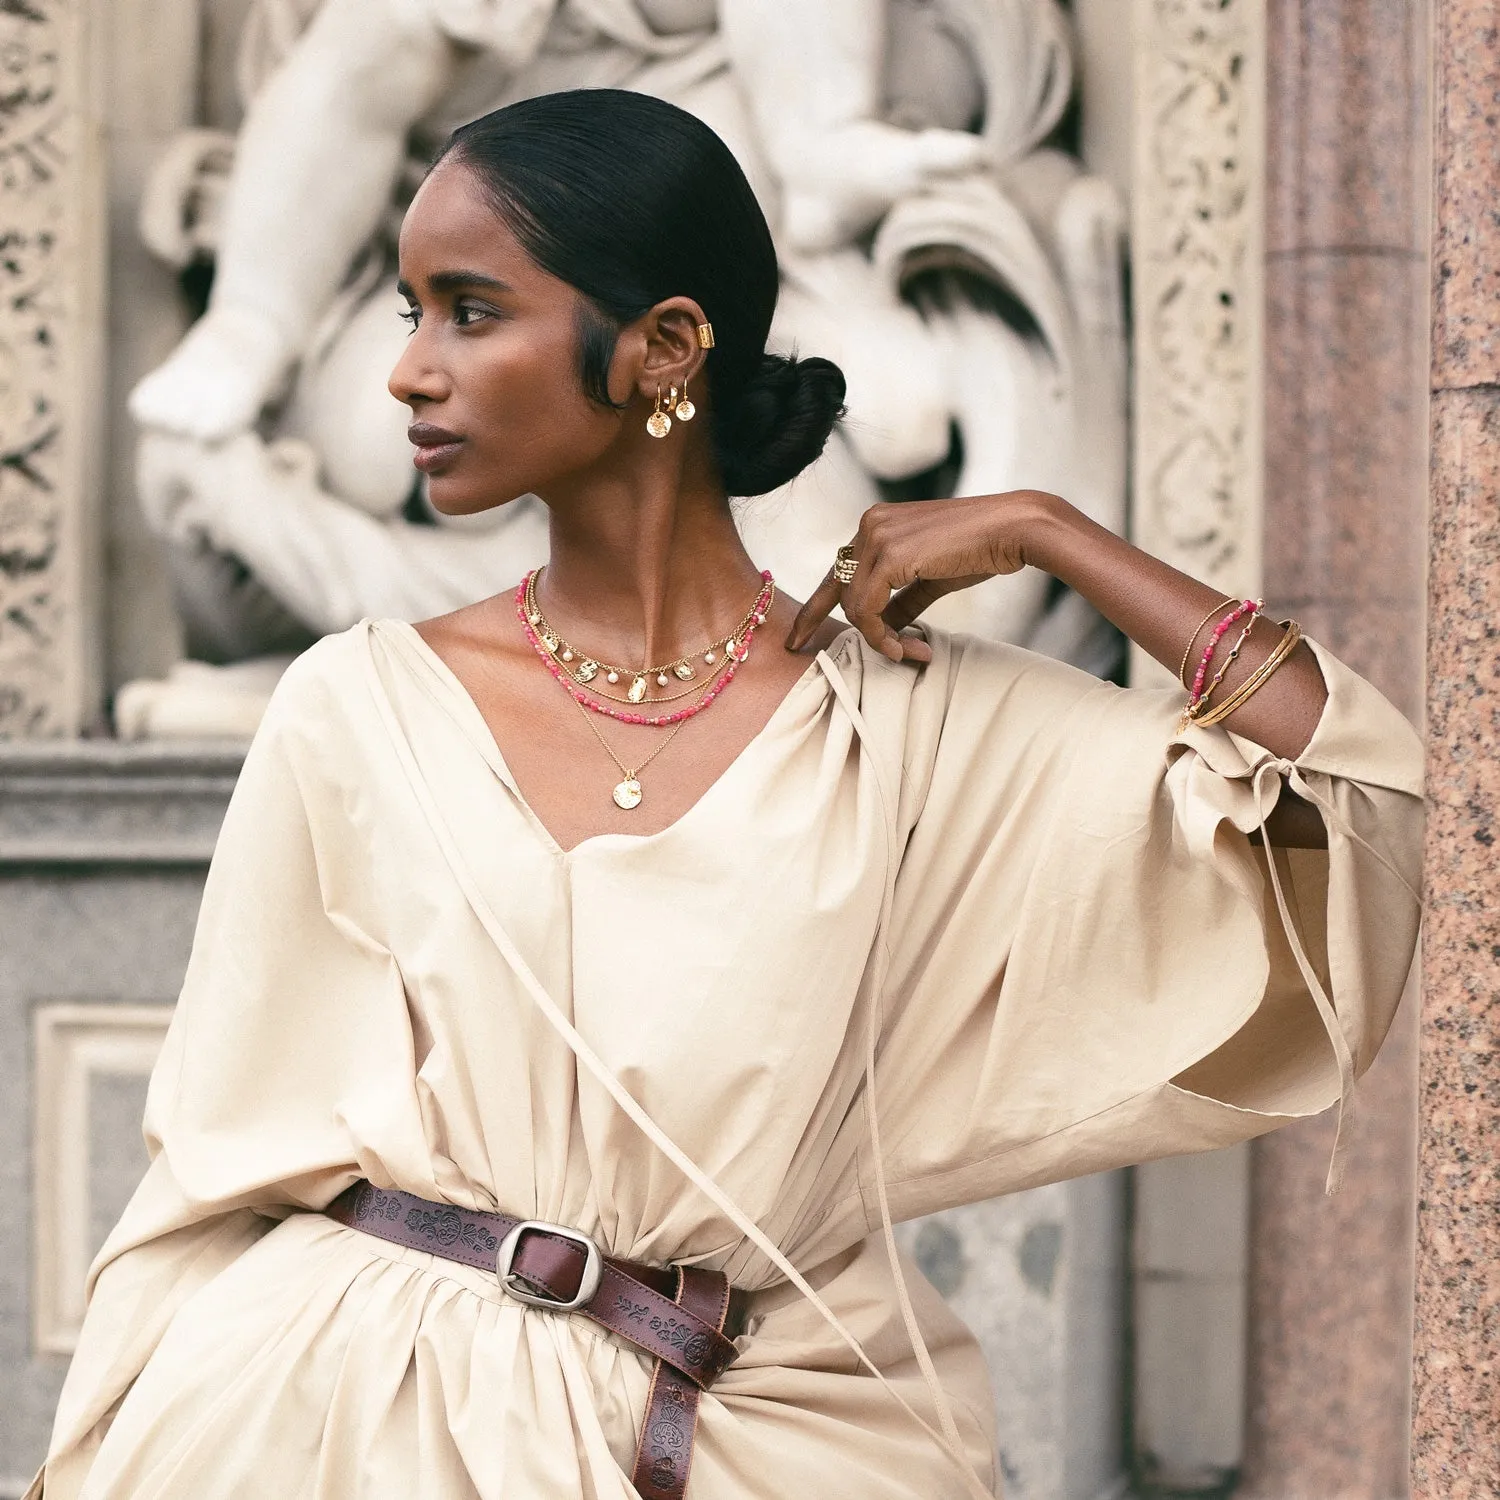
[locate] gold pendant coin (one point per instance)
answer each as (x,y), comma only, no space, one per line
(658,424)
(628,794)
(686,411)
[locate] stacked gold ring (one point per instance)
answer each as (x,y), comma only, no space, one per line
(846,565)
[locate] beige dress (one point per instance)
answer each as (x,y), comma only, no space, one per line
(1035,905)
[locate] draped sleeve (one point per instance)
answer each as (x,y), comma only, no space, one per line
(1089,961)
(290,1017)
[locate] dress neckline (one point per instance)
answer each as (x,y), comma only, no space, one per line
(471,719)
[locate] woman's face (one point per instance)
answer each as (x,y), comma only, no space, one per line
(491,371)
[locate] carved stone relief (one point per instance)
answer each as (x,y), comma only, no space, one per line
(1197,235)
(1196,232)
(970,208)
(51,276)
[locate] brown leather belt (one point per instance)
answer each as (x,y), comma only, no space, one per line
(676,1314)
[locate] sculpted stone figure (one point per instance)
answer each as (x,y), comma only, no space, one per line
(964,275)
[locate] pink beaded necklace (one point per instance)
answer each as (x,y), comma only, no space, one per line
(736,650)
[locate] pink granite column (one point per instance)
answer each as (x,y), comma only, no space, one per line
(1456,1417)
(1346,379)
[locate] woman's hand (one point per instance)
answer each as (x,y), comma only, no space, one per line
(910,555)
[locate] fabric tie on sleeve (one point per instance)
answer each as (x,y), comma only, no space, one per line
(1275,771)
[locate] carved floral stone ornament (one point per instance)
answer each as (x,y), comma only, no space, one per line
(965,275)
(1197,273)
(51,278)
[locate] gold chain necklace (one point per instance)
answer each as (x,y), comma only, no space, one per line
(627,793)
(585,669)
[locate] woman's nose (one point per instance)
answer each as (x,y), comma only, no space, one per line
(415,377)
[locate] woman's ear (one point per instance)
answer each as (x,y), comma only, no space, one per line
(673,354)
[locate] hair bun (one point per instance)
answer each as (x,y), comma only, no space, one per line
(777,422)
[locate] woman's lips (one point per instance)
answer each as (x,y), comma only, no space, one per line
(432,457)
(436,446)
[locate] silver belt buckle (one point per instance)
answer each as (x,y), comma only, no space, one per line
(593,1266)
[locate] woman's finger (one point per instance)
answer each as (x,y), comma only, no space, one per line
(863,601)
(914,648)
(915,599)
(822,603)
(867,597)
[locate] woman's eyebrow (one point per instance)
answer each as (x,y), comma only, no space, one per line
(452,281)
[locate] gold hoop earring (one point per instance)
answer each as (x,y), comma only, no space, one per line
(685,409)
(659,424)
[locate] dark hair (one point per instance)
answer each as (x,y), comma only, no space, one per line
(631,200)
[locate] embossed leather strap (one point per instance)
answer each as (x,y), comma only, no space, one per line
(665,1451)
(676,1315)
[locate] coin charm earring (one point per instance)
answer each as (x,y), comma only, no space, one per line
(659,424)
(685,409)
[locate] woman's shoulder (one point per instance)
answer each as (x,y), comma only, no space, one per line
(977,702)
(320,686)
(970,671)
(335,661)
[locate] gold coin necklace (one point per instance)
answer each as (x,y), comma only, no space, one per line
(549,646)
(587,671)
(627,792)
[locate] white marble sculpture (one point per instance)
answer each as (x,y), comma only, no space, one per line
(895,145)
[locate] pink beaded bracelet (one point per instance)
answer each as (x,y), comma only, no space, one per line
(1245,607)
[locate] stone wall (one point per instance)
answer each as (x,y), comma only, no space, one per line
(1346,441)
(1456,1427)
(102,853)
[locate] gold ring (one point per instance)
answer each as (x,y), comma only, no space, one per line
(846,565)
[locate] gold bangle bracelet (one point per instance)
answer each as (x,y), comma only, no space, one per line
(1197,631)
(1257,679)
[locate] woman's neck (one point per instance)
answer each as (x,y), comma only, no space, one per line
(646,569)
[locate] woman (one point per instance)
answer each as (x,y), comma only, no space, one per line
(847,930)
